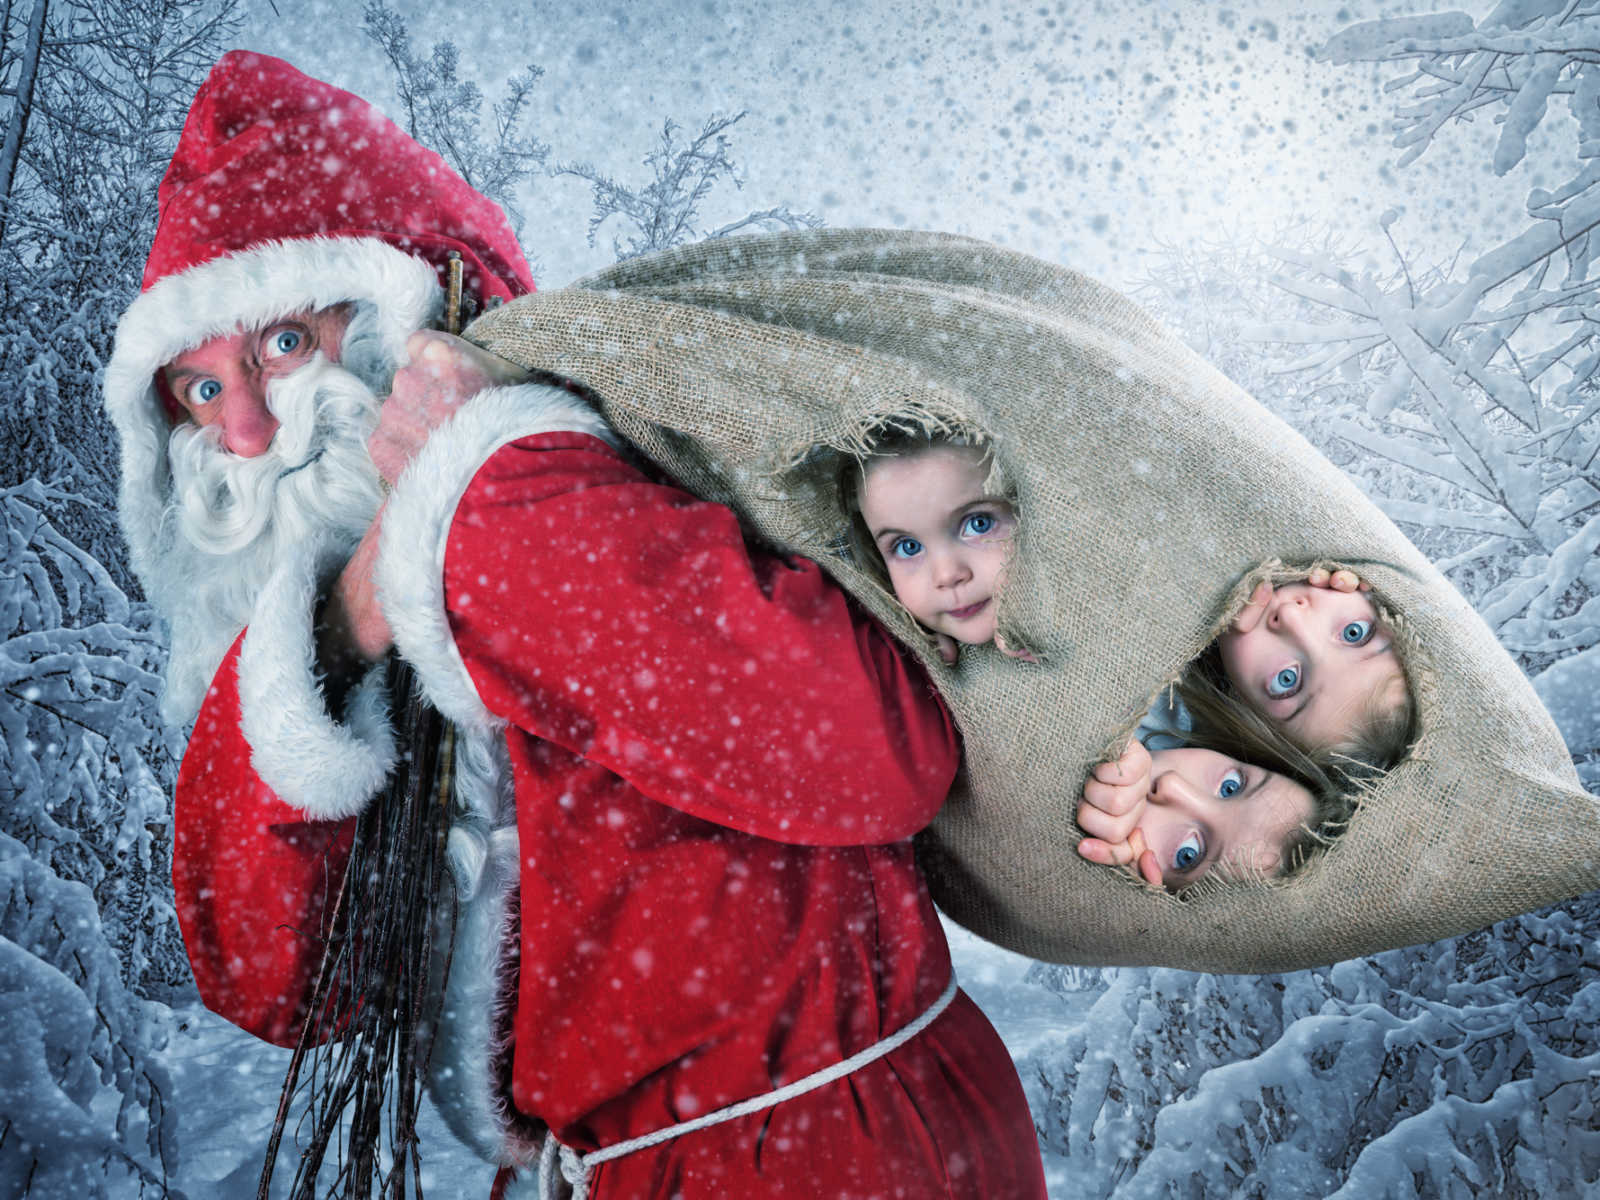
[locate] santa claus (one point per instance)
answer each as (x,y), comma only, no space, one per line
(694,944)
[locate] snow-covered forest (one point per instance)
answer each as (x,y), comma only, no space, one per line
(1432,339)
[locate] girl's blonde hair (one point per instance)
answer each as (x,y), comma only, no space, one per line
(1221,722)
(1336,776)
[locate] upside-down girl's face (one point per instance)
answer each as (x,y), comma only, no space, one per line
(1316,663)
(1209,813)
(944,540)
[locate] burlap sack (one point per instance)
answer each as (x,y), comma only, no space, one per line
(1149,488)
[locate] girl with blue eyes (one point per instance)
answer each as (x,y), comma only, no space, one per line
(1312,663)
(1176,816)
(923,512)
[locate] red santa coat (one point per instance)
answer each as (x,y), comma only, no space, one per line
(715,762)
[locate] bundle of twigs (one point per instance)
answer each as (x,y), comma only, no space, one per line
(356,1066)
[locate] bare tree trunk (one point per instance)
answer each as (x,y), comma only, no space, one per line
(18,125)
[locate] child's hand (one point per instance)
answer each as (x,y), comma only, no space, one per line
(1114,801)
(950,649)
(1254,609)
(1339,581)
(1021,652)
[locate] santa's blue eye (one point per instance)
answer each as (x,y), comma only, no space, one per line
(1189,853)
(204,391)
(1285,683)
(284,341)
(977,525)
(905,548)
(1232,785)
(1356,633)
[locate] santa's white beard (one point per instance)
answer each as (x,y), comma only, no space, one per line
(229,520)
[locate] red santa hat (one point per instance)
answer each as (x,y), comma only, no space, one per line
(287,194)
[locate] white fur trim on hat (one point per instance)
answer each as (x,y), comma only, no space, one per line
(311,760)
(245,290)
(416,527)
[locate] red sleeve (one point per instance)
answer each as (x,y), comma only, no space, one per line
(630,623)
(252,876)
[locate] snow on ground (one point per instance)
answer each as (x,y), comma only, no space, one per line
(227,1084)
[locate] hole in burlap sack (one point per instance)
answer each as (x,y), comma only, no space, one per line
(832,468)
(1353,780)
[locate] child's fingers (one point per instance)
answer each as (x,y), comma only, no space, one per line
(1149,868)
(1345,581)
(1108,827)
(1342,580)
(1097,851)
(1143,861)
(1107,854)
(949,648)
(1254,608)
(1021,652)
(1110,798)
(1128,767)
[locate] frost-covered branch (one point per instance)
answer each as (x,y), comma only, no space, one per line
(663,211)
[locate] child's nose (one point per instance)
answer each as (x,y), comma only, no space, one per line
(1287,611)
(951,568)
(1170,788)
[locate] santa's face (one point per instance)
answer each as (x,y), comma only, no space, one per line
(236,509)
(223,383)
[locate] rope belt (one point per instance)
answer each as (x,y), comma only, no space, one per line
(577,1169)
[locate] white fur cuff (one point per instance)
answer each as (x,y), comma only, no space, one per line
(416,529)
(300,751)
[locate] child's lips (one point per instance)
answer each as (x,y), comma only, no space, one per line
(971,610)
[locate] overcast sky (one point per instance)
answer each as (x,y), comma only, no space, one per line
(1084,133)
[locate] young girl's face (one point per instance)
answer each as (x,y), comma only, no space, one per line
(944,540)
(1208,812)
(1316,663)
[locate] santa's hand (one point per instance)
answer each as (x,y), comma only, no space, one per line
(443,372)
(1254,609)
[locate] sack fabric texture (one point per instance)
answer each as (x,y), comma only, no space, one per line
(1150,492)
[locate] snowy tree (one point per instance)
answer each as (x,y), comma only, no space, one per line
(1482,383)
(94,128)
(1464,400)
(662,213)
(87,926)
(443,111)
(1465,1069)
